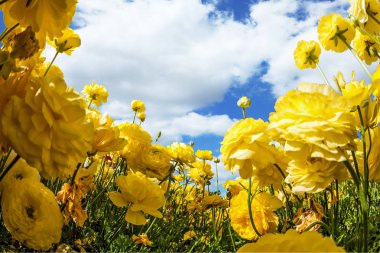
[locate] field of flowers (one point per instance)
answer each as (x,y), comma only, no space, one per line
(73,180)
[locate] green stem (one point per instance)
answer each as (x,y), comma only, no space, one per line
(352,173)
(9,167)
(6,32)
(51,63)
(232,239)
(355,163)
(244,113)
(250,208)
(319,223)
(355,55)
(323,74)
(217,178)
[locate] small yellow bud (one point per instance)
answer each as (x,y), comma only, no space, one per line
(138,106)
(216,160)
(141,116)
(244,102)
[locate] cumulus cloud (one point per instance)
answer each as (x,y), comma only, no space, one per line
(182,55)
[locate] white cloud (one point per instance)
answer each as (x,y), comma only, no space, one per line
(176,58)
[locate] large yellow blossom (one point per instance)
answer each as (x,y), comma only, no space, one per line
(156,162)
(138,142)
(263,207)
(292,241)
(180,152)
(314,121)
(143,195)
(306,55)
(106,136)
(334,32)
(246,147)
(314,175)
(48,127)
(46,17)
(31,214)
(95,93)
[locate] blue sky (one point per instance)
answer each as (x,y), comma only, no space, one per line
(191,60)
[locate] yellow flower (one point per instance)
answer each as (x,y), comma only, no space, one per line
(314,175)
(334,32)
(180,152)
(213,201)
(48,127)
(365,48)
(106,136)
(142,239)
(67,42)
(314,121)
(138,143)
(31,214)
(21,170)
(143,195)
(246,147)
(46,17)
(306,55)
(156,162)
(244,102)
(234,186)
(263,207)
(204,154)
(138,106)
(201,172)
(370,114)
(95,93)
(141,116)
(358,10)
(365,12)
(355,92)
(22,43)
(189,235)
(292,241)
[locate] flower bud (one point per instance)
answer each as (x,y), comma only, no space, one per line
(244,102)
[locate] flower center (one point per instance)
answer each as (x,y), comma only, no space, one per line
(30,212)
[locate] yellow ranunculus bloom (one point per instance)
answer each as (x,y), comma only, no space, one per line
(138,143)
(31,214)
(48,127)
(189,235)
(22,43)
(46,17)
(306,55)
(67,42)
(181,152)
(365,48)
(156,162)
(355,92)
(234,186)
(143,195)
(292,241)
(138,106)
(21,170)
(314,121)
(263,207)
(106,136)
(204,154)
(141,116)
(333,30)
(95,93)
(142,239)
(246,147)
(358,10)
(314,175)
(201,172)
